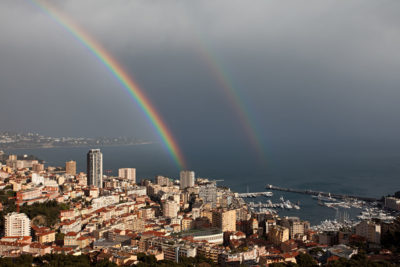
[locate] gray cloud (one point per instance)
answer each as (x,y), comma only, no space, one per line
(314,71)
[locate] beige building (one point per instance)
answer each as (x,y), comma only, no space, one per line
(163,181)
(70,167)
(278,234)
(297,227)
(170,209)
(224,219)
(46,237)
(17,224)
(187,224)
(38,167)
(127,173)
(370,230)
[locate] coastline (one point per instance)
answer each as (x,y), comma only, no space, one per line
(78,146)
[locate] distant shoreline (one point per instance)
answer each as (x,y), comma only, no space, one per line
(77,146)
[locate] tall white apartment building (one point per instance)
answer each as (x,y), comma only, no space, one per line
(127,173)
(17,224)
(95,168)
(186,179)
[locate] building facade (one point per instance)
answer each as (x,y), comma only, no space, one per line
(370,230)
(95,168)
(392,203)
(170,209)
(17,224)
(127,173)
(208,193)
(70,167)
(224,220)
(186,179)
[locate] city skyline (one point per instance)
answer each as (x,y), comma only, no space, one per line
(199,133)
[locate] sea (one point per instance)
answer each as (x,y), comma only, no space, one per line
(369,173)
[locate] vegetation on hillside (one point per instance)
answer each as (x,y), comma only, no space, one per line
(50,210)
(54,260)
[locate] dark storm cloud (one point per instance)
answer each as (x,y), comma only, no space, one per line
(310,72)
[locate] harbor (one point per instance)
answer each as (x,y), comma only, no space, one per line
(327,210)
(255,194)
(321,194)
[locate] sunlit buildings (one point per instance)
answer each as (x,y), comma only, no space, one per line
(224,220)
(17,224)
(127,173)
(278,234)
(37,167)
(70,167)
(170,208)
(95,168)
(370,230)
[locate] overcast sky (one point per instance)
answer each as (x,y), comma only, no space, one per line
(310,72)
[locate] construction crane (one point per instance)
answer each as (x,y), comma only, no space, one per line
(108,172)
(18,200)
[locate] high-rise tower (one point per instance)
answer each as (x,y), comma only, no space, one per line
(95,168)
(186,179)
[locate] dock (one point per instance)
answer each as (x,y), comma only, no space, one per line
(316,193)
(255,194)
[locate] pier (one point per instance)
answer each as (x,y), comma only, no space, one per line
(324,194)
(255,194)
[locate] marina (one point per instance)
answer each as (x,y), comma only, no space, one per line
(320,194)
(346,210)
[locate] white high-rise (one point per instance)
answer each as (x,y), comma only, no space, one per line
(127,173)
(95,168)
(17,224)
(186,179)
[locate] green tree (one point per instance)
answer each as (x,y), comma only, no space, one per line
(305,260)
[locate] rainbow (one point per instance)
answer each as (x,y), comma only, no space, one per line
(120,74)
(232,96)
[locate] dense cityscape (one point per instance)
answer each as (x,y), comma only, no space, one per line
(54,213)
(199,133)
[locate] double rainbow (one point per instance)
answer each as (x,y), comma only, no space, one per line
(233,97)
(120,74)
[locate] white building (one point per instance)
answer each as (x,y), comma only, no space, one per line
(37,179)
(71,226)
(211,236)
(208,193)
(186,179)
(137,190)
(17,224)
(127,173)
(105,201)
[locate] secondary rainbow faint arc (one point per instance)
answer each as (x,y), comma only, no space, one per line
(233,97)
(121,75)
